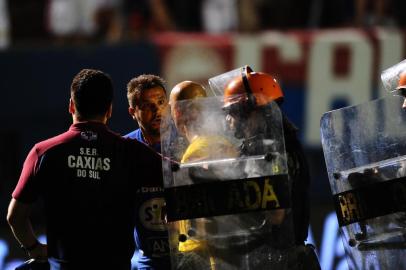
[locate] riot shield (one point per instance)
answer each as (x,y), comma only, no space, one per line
(365,153)
(225,209)
(390,76)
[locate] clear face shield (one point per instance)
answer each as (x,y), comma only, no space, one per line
(390,78)
(218,83)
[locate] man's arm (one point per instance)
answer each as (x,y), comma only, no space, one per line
(18,219)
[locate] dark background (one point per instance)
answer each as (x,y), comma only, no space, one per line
(37,66)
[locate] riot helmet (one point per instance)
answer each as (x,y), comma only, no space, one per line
(253,88)
(401,88)
(394,80)
(246,92)
(402,81)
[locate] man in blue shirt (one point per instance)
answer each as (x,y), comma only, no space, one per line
(147,101)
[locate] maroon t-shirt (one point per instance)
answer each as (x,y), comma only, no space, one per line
(87,177)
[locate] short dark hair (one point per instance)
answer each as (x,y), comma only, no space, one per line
(143,82)
(92,93)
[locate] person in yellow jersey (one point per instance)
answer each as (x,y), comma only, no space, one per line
(202,146)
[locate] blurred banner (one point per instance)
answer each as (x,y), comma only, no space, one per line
(318,71)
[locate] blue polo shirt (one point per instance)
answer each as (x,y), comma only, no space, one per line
(151,235)
(137,135)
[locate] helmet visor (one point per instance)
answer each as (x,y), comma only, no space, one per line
(390,77)
(237,109)
(218,83)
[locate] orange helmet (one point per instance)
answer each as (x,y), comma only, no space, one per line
(402,81)
(257,88)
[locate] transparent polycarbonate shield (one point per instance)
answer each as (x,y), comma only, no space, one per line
(390,76)
(227,191)
(365,153)
(218,83)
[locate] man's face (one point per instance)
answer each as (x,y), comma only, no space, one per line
(236,116)
(149,111)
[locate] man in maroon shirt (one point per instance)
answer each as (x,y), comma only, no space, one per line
(86,178)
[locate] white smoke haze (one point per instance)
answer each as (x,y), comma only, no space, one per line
(207,118)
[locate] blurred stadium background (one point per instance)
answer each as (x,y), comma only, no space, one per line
(326,54)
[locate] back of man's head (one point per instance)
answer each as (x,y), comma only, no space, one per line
(184,112)
(187,90)
(92,93)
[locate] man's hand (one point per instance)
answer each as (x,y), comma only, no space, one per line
(20,224)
